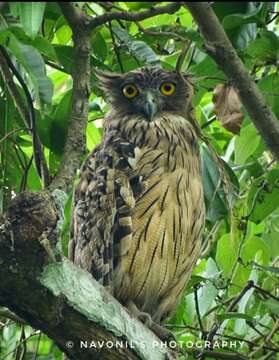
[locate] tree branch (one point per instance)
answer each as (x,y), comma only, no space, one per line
(132,15)
(75,145)
(63,301)
(221,50)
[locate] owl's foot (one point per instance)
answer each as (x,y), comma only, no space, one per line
(163,334)
(145,318)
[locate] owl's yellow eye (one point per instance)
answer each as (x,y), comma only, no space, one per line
(130,91)
(167,88)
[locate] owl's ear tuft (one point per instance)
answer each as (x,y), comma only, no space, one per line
(107,79)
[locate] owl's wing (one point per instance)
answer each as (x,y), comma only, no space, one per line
(101,229)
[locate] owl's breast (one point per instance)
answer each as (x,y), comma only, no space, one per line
(167,223)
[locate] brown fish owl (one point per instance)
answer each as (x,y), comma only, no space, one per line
(138,211)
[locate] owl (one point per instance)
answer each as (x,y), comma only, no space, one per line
(138,211)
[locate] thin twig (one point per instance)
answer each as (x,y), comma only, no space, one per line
(182,55)
(168,34)
(198,311)
(12,132)
(265,292)
(210,239)
(55,66)
(268,337)
(115,47)
(235,301)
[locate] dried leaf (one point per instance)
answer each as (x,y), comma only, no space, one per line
(228,107)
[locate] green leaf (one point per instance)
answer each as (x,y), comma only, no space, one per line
(63,35)
(52,128)
(233,21)
(223,9)
(242,27)
(33,64)
(31,16)
(195,280)
(214,195)
(264,196)
(59,125)
(40,43)
(255,249)
(226,255)
(273,306)
(246,143)
(206,296)
(265,47)
(99,46)
(269,86)
(139,49)
(93,135)
(65,55)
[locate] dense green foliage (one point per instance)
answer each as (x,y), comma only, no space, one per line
(241,238)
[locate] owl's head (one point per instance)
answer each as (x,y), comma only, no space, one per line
(146,91)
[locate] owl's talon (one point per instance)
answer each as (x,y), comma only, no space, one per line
(146,319)
(163,334)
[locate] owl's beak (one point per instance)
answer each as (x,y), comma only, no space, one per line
(150,107)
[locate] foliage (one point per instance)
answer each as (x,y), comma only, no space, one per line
(240,241)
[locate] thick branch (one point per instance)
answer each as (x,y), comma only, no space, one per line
(63,301)
(134,16)
(221,50)
(75,143)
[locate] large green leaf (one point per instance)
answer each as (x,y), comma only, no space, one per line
(248,16)
(93,135)
(239,21)
(255,249)
(246,143)
(59,126)
(65,55)
(226,254)
(32,62)
(31,16)
(99,46)
(40,43)
(53,127)
(265,47)
(138,48)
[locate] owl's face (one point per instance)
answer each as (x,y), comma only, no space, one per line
(146,92)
